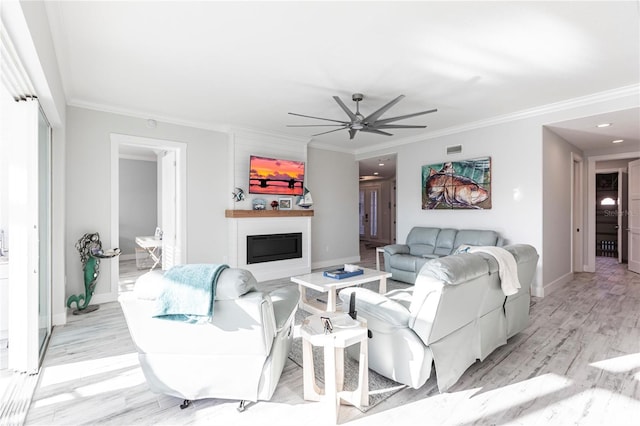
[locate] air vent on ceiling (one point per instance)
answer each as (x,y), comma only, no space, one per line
(455,149)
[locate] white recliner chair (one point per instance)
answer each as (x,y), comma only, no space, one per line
(455,314)
(238,355)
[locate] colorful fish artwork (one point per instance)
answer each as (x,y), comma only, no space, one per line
(457,185)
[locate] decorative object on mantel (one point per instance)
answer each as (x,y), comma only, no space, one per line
(274,205)
(305,201)
(238,195)
(284,203)
(90,249)
(259,204)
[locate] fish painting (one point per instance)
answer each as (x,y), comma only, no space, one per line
(459,185)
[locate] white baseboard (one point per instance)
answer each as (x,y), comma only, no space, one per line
(59,319)
(555,284)
(98,299)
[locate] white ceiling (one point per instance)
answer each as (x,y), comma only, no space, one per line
(242,64)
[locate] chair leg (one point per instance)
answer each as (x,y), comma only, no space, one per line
(185,404)
(243,405)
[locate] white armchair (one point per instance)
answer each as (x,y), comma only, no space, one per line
(238,355)
(454,314)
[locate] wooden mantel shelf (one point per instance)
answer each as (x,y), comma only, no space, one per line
(243,214)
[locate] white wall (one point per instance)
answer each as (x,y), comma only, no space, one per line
(138,201)
(88,203)
(333,182)
(516,183)
(557,209)
(515,146)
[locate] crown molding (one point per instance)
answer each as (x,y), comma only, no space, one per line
(216,127)
(581,101)
(328,147)
(281,137)
(604,96)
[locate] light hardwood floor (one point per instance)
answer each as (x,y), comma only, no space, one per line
(578,362)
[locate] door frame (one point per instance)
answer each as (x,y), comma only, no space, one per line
(180,149)
(590,265)
(577,213)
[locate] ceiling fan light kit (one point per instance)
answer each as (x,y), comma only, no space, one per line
(369,124)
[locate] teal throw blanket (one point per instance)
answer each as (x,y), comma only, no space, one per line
(189,292)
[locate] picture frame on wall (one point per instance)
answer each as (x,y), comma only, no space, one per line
(463,184)
(285,203)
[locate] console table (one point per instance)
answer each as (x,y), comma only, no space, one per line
(153,247)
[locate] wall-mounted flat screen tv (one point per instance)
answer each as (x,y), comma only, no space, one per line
(276,177)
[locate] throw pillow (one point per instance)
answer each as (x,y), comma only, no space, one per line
(233,283)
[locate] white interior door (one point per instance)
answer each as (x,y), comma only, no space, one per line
(623,220)
(634,216)
(171,254)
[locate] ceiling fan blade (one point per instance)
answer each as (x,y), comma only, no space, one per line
(402,117)
(318,118)
(395,126)
(371,118)
(350,113)
(352,133)
(379,132)
(334,130)
(313,125)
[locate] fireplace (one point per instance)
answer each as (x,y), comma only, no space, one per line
(272,247)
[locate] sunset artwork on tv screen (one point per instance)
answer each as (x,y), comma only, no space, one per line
(277,177)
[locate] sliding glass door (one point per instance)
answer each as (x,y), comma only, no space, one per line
(29,226)
(44,231)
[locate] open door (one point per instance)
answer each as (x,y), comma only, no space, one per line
(623,219)
(170,251)
(634,216)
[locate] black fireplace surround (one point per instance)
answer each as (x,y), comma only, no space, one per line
(271,247)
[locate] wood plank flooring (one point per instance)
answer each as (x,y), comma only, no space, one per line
(578,362)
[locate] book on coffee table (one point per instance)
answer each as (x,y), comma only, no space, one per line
(340,273)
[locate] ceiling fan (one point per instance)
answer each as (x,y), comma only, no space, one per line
(370,124)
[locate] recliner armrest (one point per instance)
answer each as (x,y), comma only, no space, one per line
(285,303)
(396,249)
(371,304)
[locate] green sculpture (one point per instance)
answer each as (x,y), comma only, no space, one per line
(90,249)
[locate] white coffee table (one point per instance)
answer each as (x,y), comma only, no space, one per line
(319,282)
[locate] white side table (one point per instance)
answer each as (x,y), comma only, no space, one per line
(334,343)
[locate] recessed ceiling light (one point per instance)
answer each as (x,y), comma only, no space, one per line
(604,125)
(618,141)
(380,164)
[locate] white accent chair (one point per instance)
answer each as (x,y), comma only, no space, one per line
(455,314)
(239,355)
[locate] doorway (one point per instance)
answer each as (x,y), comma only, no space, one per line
(377,203)
(168,159)
(606,164)
(608,203)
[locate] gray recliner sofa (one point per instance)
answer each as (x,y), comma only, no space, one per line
(456,313)
(404,261)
